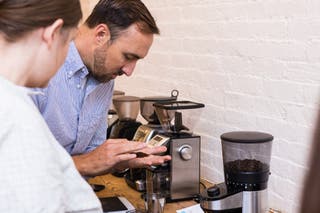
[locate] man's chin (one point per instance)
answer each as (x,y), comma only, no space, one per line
(114,76)
(105,80)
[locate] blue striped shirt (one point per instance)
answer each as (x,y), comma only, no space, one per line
(75,105)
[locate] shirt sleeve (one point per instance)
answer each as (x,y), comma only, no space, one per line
(101,132)
(99,137)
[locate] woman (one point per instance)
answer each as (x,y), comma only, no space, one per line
(310,199)
(37,175)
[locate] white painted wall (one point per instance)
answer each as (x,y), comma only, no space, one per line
(256,66)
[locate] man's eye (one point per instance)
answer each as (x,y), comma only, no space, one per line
(127,57)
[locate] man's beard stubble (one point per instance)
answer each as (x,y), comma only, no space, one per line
(100,72)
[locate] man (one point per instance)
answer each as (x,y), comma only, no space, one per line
(114,37)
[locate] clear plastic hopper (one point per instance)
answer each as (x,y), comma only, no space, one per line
(246,158)
(169,116)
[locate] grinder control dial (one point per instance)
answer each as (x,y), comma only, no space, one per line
(185,152)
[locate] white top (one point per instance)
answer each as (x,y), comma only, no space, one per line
(36,173)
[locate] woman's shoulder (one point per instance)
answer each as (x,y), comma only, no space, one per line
(19,114)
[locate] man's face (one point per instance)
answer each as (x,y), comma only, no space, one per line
(121,55)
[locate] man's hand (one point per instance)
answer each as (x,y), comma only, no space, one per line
(146,161)
(112,152)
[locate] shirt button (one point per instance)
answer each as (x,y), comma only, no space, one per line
(78,86)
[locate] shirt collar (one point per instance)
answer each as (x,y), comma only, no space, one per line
(74,62)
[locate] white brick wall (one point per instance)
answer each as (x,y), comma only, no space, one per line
(256,66)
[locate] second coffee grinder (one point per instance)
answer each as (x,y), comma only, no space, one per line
(112,117)
(246,161)
(127,108)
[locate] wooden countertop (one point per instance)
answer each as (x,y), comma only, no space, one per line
(116,186)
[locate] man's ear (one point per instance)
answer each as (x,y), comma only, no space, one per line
(102,34)
(51,31)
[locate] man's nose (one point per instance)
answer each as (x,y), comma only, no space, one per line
(128,68)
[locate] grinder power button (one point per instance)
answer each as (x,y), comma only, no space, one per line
(213,191)
(186,152)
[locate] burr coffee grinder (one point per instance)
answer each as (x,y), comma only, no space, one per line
(246,161)
(146,131)
(136,177)
(178,179)
(112,117)
(127,108)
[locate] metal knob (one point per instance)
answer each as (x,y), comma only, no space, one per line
(213,191)
(185,152)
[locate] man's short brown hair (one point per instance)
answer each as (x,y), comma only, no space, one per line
(118,15)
